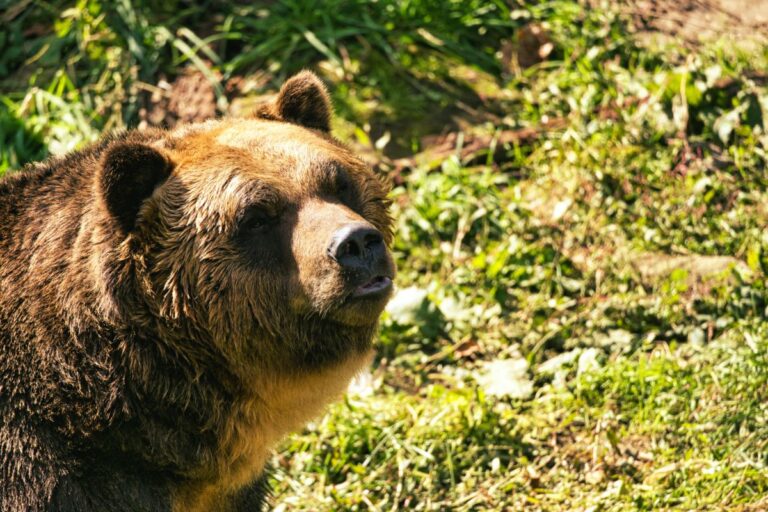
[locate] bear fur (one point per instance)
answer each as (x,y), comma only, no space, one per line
(172,303)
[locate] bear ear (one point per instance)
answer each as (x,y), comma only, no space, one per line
(129,174)
(304,100)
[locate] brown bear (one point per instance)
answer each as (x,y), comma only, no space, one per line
(172,303)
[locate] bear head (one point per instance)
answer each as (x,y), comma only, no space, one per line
(260,242)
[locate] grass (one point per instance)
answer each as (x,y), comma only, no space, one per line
(617,256)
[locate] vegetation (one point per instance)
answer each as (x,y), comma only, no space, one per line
(580,322)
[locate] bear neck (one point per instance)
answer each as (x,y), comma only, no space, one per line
(215,430)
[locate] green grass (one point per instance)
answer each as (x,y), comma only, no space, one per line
(593,242)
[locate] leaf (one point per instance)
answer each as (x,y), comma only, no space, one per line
(507,377)
(405,307)
(560,209)
(588,361)
(726,123)
(554,364)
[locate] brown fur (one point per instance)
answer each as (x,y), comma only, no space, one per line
(168,309)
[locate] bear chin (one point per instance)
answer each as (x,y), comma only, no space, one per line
(363,310)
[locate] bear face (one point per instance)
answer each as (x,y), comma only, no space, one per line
(265,238)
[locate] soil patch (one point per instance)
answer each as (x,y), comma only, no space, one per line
(695,21)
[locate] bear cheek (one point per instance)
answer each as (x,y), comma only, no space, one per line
(317,286)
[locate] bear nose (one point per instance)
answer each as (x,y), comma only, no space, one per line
(356,244)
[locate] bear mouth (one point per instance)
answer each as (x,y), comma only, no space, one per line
(375,288)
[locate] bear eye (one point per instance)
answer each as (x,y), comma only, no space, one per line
(342,188)
(342,185)
(258,219)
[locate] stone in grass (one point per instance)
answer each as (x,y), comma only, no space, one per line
(506,377)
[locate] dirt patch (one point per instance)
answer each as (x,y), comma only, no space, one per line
(695,21)
(653,267)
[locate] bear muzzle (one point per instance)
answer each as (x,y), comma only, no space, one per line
(345,269)
(360,251)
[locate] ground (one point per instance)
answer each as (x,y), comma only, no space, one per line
(696,20)
(580,214)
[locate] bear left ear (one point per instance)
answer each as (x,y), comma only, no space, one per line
(304,100)
(130,172)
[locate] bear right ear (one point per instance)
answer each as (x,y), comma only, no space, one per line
(304,100)
(129,174)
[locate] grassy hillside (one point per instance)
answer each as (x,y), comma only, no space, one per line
(580,233)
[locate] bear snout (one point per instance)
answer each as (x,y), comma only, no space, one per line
(360,251)
(356,245)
